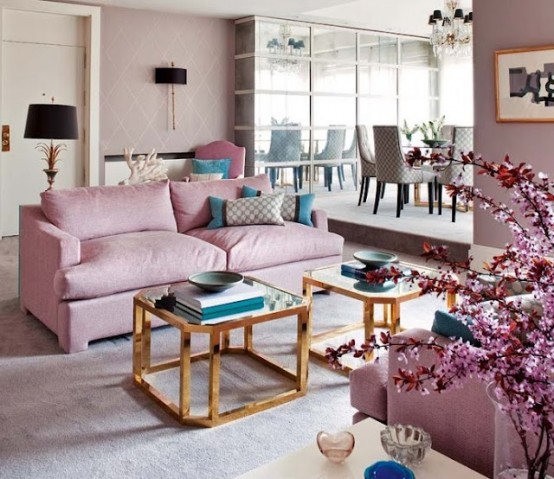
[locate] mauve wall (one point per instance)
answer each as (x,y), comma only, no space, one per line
(134,111)
(500,25)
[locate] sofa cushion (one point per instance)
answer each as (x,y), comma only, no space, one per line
(205,176)
(448,325)
(190,200)
(97,211)
(295,207)
(259,246)
(212,166)
(135,260)
(259,210)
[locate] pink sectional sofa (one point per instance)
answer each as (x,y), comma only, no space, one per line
(84,252)
(460,421)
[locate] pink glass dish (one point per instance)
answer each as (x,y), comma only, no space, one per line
(336,447)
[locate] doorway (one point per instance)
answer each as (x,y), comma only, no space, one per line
(47,52)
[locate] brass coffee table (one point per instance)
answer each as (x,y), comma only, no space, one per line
(278,304)
(331,279)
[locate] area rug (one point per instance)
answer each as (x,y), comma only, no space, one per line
(80,416)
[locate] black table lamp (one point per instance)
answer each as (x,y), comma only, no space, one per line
(173,76)
(52,122)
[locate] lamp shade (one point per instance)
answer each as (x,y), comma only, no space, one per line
(53,122)
(173,75)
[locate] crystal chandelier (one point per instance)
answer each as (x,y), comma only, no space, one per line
(284,48)
(452,32)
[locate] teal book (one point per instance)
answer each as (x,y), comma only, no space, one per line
(229,309)
(193,297)
(244,303)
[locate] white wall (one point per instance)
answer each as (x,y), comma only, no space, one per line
(456,90)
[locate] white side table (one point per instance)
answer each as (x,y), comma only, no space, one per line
(309,463)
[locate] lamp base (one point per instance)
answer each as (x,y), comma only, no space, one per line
(51,174)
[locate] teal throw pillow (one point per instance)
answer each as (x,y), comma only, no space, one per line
(296,208)
(259,210)
(202,167)
(448,325)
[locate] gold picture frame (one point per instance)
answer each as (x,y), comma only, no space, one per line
(525,84)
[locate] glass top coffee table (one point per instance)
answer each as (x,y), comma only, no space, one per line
(330,278)
(277,304)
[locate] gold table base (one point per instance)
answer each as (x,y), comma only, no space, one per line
(219,345)
(391,314)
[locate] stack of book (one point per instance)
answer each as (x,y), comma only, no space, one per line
(202,307)
(355,269)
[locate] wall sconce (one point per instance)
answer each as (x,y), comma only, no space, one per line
(53,122)
(173,76)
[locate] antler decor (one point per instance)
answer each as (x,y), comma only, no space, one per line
(144,167)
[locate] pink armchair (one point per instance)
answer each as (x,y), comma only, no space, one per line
(224,149)
(460,421)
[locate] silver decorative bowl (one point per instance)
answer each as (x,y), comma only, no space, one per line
(405,444)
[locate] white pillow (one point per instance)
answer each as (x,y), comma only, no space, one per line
(205,176)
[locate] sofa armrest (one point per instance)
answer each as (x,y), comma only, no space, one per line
(319,219)
(43,250)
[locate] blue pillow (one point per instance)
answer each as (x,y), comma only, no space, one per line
(201,167)
(296,208)
(217,206)
(448,325)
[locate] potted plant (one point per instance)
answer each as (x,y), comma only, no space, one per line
(431,131)
(408,131)
(515,356)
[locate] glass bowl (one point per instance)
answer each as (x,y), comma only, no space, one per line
(405,444)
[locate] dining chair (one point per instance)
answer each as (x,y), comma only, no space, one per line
(462,138)
(391,167)
(367,161)
(285,146)
(350,157)
(332,151)
(224,149)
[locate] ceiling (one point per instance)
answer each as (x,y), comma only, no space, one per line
(395,16)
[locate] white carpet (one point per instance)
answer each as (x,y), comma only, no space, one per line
(80,416)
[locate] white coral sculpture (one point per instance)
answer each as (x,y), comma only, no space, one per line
(144,167)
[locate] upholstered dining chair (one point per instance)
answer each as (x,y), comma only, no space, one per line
(391,168)
(224,149)
(332,151)
(462,138)
(350,157)
(285,146)
(367,161)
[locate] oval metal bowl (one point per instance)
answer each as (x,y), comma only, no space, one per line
(216,280)
(375,259)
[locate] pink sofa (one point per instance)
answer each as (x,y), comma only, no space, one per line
(84,252)
(460,421)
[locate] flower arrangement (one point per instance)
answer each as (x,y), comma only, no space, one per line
(516,351)
(408,131)
(431,129)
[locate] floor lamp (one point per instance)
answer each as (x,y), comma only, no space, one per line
(52,122)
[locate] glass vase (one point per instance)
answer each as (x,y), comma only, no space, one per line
(509,454)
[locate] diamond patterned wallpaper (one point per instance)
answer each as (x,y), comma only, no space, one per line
(136,112)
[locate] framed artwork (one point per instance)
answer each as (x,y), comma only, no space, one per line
(525,84)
